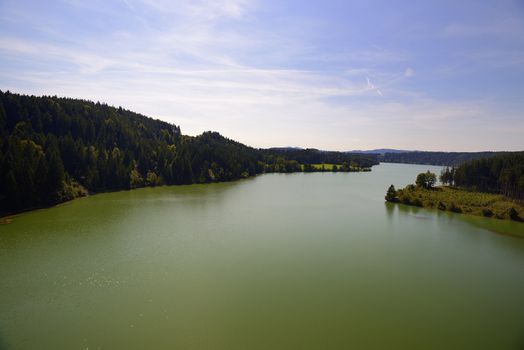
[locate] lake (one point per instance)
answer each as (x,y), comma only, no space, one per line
(279,261)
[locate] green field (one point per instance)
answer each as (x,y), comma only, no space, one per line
(461,201)
(326,166)
(329,167)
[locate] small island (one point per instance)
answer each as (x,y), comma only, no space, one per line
(490,187)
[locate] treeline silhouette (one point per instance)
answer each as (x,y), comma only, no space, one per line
(315,156)
(498,174)
(435,158)
(54,149)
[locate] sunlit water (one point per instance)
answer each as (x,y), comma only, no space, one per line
(300,261)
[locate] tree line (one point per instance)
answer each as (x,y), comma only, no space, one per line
(315,156)
(435,158)
(498,174)
(53,149)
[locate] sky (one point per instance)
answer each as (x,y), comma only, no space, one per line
(335,75)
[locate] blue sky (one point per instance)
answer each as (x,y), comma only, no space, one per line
(340,75)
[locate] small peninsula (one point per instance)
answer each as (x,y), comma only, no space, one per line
(490,187)
(458,201)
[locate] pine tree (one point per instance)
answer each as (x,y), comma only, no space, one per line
(55,174)
(391,195)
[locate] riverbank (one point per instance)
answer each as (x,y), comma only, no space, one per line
(71,190)
(460,201)
(74,190)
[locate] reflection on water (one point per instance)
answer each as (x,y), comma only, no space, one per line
(502,227)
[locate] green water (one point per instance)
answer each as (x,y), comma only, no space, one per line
(300,261)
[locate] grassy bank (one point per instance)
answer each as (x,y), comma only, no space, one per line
(460,201)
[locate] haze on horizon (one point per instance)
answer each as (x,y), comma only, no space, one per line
(339,75)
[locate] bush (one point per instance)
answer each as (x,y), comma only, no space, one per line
(153,179)
(405,199)
(487,212)
(513,214)
(454,208)
(428,204)
(499,215)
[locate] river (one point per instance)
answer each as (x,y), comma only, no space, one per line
(279,261)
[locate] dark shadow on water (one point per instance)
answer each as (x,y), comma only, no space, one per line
(411,210)
(390,209)
(500,227)
(507,235)
(520,342)
(3,343)
(512,229)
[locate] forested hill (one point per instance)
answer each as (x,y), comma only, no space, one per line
(435,158)
(54,149)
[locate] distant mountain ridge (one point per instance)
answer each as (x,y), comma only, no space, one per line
(380,151)
(435,158)
(390,155)
(372,151)
(288,148)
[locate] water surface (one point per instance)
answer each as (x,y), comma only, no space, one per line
(300,261)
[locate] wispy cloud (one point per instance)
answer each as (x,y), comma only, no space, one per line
(201,9)
(372,87)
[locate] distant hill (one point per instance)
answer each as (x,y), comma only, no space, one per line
(285,148)
(379,151)
(435,158)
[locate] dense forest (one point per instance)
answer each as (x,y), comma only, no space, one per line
(53,149)
(502,174)
(435,158)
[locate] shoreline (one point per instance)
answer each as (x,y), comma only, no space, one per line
(460,201)
(6,218)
